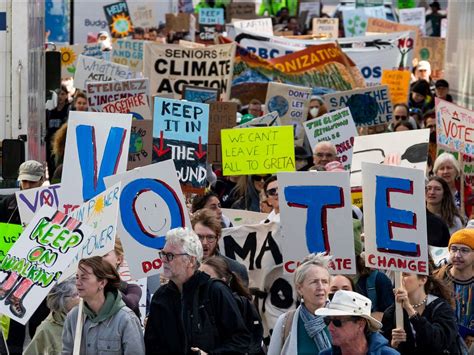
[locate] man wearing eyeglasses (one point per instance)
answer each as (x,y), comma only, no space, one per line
(353,330)
(460,277)
(401,113)
(324,152)
(190,313)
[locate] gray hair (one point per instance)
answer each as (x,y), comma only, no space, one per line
(318,259)
(188,240)
(446,158)
(59,296)
(327,145)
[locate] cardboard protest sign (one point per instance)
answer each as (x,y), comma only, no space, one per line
(263,150)
(180,132)
(336,127)
(200,94)
(70,54)
(398,82)
(172,66)
(128,52)
(269,120)
(141,144)
(96,146)
(241,10)
(9,234)
(91,69)
(316,215)
(180,22)
(454,127)
(37,260)
(395,218)
(260,26)
(369,107)
(433,50)
(99,213)
(211,21)
(104,92)
(292,104)
(151,204)
(413,17)
(143,15)
(243,217)
(31,200)
(118,18)
(308,10)
(137,105)
(407,149)
(384,26)
(326,27)
(222,115)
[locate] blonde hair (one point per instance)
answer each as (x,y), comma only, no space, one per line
(315,259)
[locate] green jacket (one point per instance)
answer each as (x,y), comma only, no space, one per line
(47,339)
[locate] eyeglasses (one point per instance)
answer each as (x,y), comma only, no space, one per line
(463,251)
(272,192)
(324,155)
(260,177)
(400,117)
(209,238)
(338,322)
(169,256)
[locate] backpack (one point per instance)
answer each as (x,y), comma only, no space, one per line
(249,313)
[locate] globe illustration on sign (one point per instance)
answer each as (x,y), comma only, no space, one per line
(136,143)
(278,103)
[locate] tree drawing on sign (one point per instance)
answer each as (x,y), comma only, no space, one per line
(357,25)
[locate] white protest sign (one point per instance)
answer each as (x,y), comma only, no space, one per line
(243,217)
(37,260)
(97,146)
(413,17)
(395,218)
(92,69)
(124,272)
(128,52)
(316,215)
(137,105)
(336,127)
(326,27)
(31,200)
(143,14)
(70,53)
(260,26)
(100,213)
(151,204)
(270,119)
(369,106)
(408,149)
(103,92)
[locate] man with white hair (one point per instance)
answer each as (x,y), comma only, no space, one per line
(324,152)
(191,312)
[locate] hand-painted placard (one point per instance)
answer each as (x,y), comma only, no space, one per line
(355,22)
(9,234)
(200,94)
(398,82)
(143,14)
(180,132)
(104,92)
(433,50)
(37,260)
(137,105)
(395,218)
(180,22)
(118,18)
(128,52)
(369,106)
(316,215)
(211,16)
(336,127)
(260,26)
(92,69)
(241,11)
(70,54)
(151,204)
(222,115)
(244,217)
(172,66)
(96,146)
(407,149)
(326,27)
(454,127)
(413,17)
(31,200)
(263,150)
(141,144)
(270,119)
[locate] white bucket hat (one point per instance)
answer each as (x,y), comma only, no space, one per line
(348,303)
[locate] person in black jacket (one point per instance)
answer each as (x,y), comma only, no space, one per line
(181,319)
(429,321)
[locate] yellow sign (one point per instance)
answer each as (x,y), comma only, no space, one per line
(398,82)
(356,197)
(262,150)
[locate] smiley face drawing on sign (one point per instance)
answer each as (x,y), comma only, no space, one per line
(149,208)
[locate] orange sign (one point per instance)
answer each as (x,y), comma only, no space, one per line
(398,82)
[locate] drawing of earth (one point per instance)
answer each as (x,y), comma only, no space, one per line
(278,103)
(136,143)
(364,109)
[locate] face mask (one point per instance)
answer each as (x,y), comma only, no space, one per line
(314,112)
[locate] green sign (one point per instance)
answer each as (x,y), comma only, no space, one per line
(406,4)
(369,3)
(9,233)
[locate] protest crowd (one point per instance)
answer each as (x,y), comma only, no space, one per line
(247,180)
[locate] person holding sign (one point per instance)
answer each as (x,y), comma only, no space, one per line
(429,322)
(271,192)
(109,325)
(300,331)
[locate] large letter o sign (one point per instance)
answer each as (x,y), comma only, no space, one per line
(134,224)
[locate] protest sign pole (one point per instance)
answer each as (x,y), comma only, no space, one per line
(398,306)
(78,334)
(461,183)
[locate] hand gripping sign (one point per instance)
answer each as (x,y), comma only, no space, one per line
(395,218)
(151,204)
(317,218)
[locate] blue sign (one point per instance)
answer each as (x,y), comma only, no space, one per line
(211,16)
